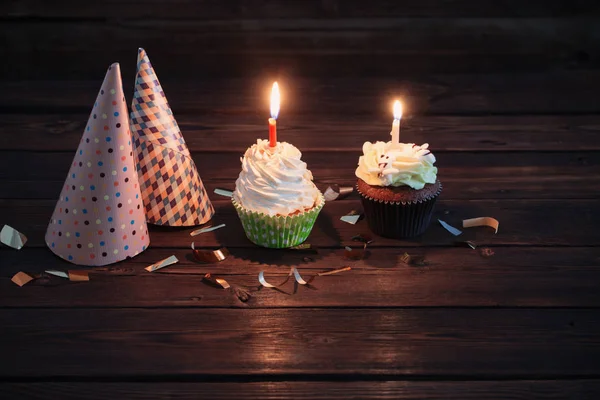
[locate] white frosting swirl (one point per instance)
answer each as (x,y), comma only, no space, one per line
(275,181)
(405,164)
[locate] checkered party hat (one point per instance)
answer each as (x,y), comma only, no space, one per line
(99,218)
(172,190)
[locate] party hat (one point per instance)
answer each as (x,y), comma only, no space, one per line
(172,190)
(99,218)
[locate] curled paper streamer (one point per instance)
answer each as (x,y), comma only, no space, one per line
(216,281)
(12,237)
(210,256)
(162,263)
(450,228)
(79,276)
(352,217)
(482,221)
(224,192)
(335,271)
(293,271)
(21,278)
(334,192)
(72,275)
(207,229)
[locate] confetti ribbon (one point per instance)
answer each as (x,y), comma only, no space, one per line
(482,221)
(334,192)
(207,229)
(162,263)
(293,271)
(352,217)
(210,256)
(450,228)
(216,281)
(12,237)
(224,192)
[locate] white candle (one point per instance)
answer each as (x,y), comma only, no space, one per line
(396,124)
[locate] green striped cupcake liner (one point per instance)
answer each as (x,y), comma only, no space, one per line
(277,232)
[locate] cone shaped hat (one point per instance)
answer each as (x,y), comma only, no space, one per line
(172,190)
(99,218)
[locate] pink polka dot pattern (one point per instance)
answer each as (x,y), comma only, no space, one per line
(99,218)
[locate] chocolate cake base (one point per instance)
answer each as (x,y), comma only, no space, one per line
(398,212)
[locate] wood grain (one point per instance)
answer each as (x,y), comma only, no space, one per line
(265,390)
(523,223)
(269,9)
(529,343)
(316,47)
(62,132)
(451,277)
(557,92)
(465,175)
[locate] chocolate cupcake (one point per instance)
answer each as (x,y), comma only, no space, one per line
(398,187)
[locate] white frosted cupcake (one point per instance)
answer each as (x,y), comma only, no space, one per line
(275,196)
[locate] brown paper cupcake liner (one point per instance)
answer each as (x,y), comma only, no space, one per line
(398,220)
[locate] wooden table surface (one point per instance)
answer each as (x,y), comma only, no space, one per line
(506,93)
(523,321)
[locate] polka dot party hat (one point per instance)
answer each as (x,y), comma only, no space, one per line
(99,218)
(172,190)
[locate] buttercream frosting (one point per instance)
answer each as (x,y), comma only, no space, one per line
(275,181)
(383,164)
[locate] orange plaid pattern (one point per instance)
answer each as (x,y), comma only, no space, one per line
(171,188)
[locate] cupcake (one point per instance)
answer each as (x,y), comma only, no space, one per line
(398,187)
(275,196)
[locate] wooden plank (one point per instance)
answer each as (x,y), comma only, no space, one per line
(453,343)
(262,9)
(452,277)
(50,132)
(444,390)
(477,175)
(523,223)
(370,98)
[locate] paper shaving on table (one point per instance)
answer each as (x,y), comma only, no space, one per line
(210,256)
(12,237)
(293,271)
(482,221)
(21,278)
(334,192)
(352,217)
(60,274)
(216,281)
(467,243)
(224,192)
(162,263)
(450,228)
(335,271)
(207,229)
(79,276)
(355,254)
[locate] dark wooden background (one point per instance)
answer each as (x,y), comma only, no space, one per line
(506,93)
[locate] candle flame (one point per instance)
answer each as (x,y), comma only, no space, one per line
(397,109)
(275,100)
